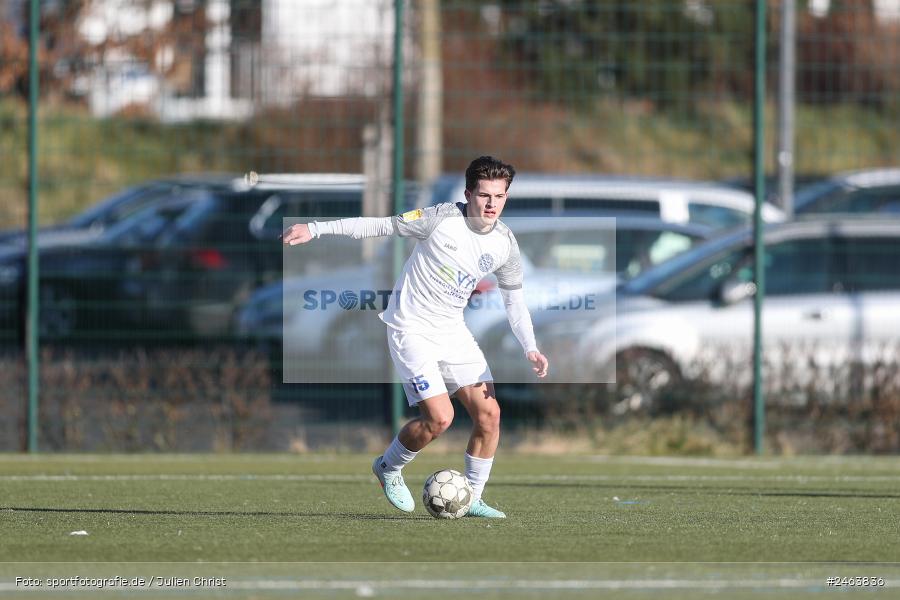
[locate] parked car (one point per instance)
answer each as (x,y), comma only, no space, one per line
(180,266)
(870,191)
(563,258)
(88,286)
(569,256)
(93,221)
(832,291)
(672,200)
(772,193)
(207,264)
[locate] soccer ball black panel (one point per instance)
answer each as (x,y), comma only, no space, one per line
(447,495)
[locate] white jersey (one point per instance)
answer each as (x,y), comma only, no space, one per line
(449,259)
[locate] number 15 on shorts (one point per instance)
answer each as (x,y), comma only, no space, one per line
(419,383)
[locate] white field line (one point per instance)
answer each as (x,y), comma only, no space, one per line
(812,462)
(541,584)
(283,457)
(367,587)
(507,479)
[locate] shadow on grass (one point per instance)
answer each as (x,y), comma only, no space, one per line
(212,513)
(693,490)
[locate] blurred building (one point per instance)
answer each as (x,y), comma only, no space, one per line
(224,59)
(141,57)
(284,49)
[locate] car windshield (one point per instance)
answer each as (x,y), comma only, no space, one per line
(716,216)
(442,190)
(808,194)
(192,221)
(651,278)
(144,226)
(586,251)
(120,206)
(626,251)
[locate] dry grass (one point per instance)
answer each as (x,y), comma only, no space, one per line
(219,399)
(140,400)
(83,160)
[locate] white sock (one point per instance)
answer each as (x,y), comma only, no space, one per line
(477,472)
(396,456)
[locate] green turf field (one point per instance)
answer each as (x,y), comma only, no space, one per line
(576,526)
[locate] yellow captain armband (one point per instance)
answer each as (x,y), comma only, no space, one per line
(412,215)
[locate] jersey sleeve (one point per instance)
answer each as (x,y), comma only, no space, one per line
(356,227)
(509,275)
(420,222)
(519,318)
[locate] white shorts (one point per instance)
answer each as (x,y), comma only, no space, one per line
(433,365)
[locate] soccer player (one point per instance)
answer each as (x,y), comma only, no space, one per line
(429,343)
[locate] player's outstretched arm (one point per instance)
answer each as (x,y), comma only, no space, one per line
(418,223)
(356,227)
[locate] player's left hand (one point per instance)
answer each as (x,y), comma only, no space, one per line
(296,234)
(539,363)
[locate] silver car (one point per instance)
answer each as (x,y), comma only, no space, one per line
(671,200)
(573,256)
(325,318)
(869,191)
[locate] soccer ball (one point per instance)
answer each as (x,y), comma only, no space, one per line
(447,495)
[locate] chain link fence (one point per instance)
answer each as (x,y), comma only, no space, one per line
(161,311)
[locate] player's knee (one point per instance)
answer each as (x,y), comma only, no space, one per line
(489,419)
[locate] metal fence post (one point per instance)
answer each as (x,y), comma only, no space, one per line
(397,183)
(759,249)
(31,328)
(787,76)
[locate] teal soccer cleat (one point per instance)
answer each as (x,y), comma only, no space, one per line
(394,488)
(480,509)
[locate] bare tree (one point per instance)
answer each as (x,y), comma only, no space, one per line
(175,51)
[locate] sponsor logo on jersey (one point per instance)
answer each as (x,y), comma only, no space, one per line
(456,283)
(446,273)
(457,278)
(465,281)
(450,246)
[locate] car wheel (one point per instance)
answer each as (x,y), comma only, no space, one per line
(645,381)
(58,317)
